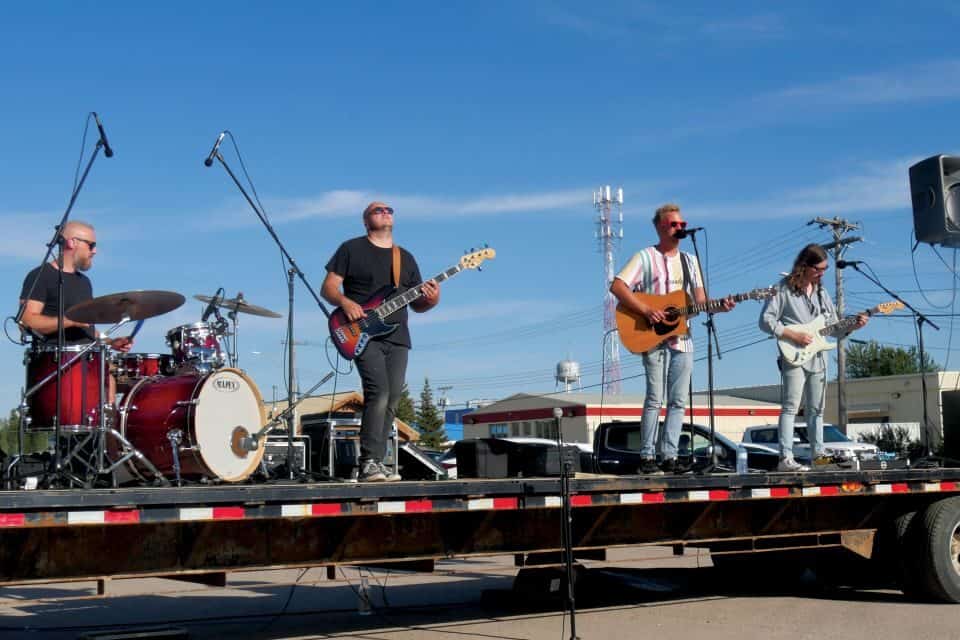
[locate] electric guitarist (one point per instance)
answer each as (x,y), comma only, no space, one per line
(801,299)
(662,269)
(359,268)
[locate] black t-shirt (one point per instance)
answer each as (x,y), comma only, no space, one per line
(76,289)
(367,268)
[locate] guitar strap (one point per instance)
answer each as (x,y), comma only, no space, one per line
(686,273)
(396,266)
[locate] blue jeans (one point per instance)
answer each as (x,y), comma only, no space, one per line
(670,370)
(799,383)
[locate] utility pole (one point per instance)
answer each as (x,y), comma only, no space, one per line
(609,234)
(839,227)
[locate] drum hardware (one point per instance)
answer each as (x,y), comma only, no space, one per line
(234,306)
(86,439)
(175,436)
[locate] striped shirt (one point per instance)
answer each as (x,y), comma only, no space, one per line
(650,271)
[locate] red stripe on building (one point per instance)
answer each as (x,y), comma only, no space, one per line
(228,513)
(900,487)
(506,503)
(416,506)
(126,515)
(326,508)
(719,494)
(830,491)
(581,501)
(779,492)
(12,519)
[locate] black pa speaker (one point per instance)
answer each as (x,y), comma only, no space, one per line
(935,191)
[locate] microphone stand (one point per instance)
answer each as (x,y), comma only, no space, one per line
(924,436)
(711,339)
(293,270)
(566,527)
(55,241)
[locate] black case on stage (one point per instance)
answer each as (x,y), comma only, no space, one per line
(498,458)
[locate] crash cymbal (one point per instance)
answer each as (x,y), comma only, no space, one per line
(134,305)
(239,304)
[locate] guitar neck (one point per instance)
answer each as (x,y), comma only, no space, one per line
(846,325)
(711,305)
(396,303)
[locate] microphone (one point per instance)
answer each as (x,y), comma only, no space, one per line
(683,233)
(212,307)
(843,264)
(213,152)
(107,151)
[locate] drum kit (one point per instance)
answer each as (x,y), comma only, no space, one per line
(185,415)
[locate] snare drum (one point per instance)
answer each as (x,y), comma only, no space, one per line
(209,413)
(80,388)
(196,345)
(130,368)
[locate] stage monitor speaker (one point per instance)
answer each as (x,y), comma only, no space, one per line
(935,192)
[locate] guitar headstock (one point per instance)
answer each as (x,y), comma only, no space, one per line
(474,259)
(887,307)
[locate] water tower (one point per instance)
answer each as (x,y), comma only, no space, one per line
(568,373)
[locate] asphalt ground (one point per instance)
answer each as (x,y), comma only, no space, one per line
(636,593)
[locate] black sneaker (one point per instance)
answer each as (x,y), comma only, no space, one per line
(370,471)
(669,466)
(648,467)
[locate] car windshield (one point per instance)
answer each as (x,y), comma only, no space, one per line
(830,434)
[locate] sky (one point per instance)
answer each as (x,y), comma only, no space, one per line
(482,123)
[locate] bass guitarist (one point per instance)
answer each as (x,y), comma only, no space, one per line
(800,299)
(359,268)
(661,269)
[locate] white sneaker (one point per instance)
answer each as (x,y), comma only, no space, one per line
(789,464)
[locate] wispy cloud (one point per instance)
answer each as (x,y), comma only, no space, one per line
(657,23)
(346,203)
(764,26)
(24,235)
(908,84)
(876,187)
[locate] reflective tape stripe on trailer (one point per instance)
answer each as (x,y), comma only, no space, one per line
(159,514)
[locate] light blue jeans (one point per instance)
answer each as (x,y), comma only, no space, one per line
(670,371)
(798,383)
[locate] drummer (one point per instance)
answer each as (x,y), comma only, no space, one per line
(40,313)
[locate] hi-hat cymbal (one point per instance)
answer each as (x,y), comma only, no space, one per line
(133,305)
(239,304)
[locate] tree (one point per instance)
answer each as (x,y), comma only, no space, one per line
(866,360)
(405,410)
(429,420)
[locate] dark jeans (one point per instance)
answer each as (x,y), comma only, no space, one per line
(382,367)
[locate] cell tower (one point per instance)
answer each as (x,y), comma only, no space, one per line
(609,234)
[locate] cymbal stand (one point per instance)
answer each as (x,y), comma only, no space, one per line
(99,464)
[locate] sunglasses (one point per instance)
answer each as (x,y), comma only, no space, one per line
(92,245)
(383,210)
(678,225)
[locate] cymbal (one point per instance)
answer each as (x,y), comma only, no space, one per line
(135,305)
(239,304)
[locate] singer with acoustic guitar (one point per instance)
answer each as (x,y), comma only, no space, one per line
(360,268)
(662,269)
(800,300)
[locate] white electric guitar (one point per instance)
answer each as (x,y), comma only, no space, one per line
(796,355)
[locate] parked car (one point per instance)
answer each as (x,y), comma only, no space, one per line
(835,443)
(617,449)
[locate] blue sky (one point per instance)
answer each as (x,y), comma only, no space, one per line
(482,123)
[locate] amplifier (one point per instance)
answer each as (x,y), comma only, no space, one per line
(275,453)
